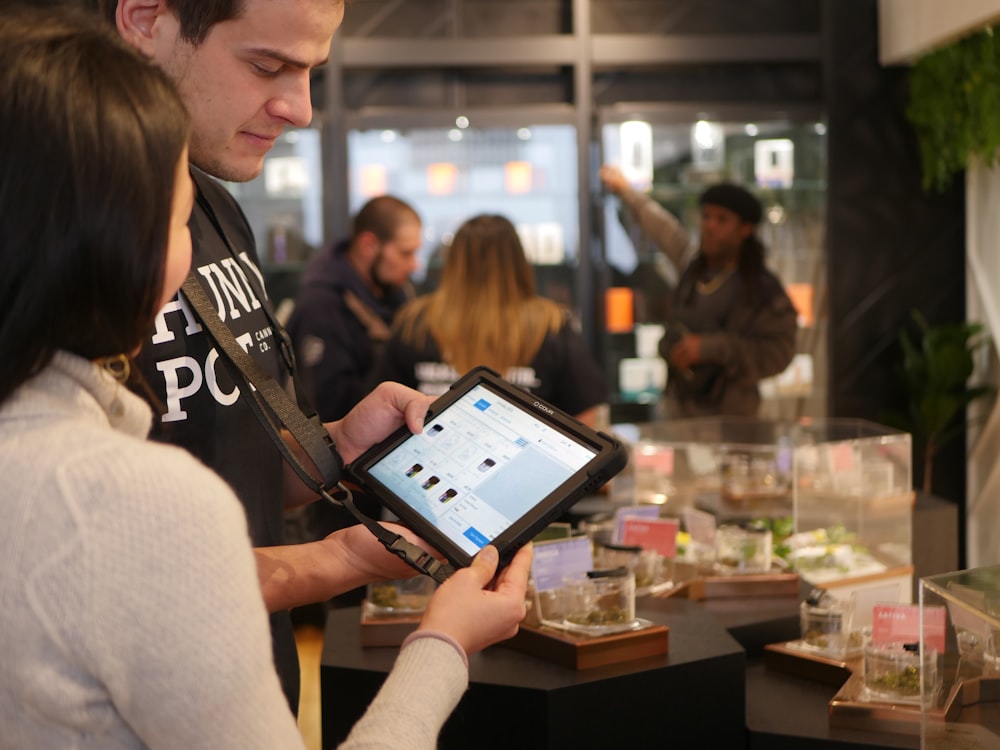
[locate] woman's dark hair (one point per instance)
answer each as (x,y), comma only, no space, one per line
(92,135)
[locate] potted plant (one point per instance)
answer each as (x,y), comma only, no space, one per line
(934,373)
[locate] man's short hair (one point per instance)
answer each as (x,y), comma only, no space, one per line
(196,17)
(382,216)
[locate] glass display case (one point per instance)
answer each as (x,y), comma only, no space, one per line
(836,494)
(965,712)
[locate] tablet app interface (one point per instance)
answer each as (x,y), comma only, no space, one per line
(479,466)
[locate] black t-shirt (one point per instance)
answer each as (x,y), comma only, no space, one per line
(563,371)
(205,411)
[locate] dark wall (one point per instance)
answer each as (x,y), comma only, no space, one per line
(891,247)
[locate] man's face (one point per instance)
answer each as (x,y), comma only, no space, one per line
(178,260)
(397,259)
(722,233)
(249,79)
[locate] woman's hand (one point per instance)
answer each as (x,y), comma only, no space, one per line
(475,614)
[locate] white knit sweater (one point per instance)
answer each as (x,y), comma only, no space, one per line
(130,613)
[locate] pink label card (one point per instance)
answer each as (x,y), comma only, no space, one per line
(658,534)
(655,458)
(842,457)
(631,511)
(900,623)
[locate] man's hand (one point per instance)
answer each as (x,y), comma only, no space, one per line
(358,550)
(685,352)
(381,412)
(613,179)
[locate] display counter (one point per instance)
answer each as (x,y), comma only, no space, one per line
(711,689)
(785,712)
(695,693)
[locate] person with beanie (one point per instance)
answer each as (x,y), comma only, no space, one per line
(730,322)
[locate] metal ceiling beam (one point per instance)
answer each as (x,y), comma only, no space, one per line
(606,50)
(432,53)
(610,50)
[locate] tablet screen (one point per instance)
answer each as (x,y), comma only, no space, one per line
(479,466)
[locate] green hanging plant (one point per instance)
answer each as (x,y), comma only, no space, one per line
(955,107)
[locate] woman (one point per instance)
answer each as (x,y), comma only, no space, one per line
(486,312)
(132,615)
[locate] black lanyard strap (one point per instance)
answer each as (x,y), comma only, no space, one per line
(268,400)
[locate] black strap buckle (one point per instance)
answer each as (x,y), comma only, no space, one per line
(420,560)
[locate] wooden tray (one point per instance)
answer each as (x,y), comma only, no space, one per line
(787,658)
(577,651)
(741,586)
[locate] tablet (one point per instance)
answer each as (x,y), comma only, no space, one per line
(494,465)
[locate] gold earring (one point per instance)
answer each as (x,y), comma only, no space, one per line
(118,367)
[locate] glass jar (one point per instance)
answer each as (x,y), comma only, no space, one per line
(898,672)
(603,601)
(742,550)
(405,596)
(825,626)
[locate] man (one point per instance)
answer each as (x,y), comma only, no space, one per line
(243,68)
(350,293)
(731,324)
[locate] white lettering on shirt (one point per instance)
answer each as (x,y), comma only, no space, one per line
(233,295)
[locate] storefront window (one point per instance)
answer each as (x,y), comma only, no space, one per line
(528,174)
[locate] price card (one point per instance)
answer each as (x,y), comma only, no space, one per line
(842,457)
(632,511)
(864,601)
(700,525)
(657,458)
(900,623)
(561,558)
(658,534)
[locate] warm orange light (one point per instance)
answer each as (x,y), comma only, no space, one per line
(374,180)
(517,177)
(441,178)
(618,309)
(802,296)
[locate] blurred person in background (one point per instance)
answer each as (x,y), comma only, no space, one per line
(347,299)
(486,311)
(730,323)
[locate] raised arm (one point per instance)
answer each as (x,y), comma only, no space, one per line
(656,222)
